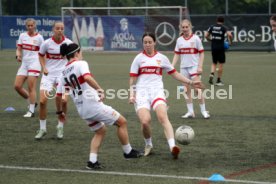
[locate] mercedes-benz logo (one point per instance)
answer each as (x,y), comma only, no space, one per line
(165,33)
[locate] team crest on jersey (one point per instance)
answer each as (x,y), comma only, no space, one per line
(35,42)
(158,62)
(192,44)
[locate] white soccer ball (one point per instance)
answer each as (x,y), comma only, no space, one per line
(184,134)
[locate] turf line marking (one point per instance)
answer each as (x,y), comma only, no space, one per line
(125,174)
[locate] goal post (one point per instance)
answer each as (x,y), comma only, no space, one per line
(121,28)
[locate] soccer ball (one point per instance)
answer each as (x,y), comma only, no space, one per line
(184,134)
(226,45)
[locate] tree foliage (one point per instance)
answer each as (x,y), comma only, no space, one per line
(53,7)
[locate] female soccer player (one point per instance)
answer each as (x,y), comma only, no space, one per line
(189,48)
(52,66)
(147,91)
(87,96)
(27,53)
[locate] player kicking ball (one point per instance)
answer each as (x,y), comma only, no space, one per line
(87,95)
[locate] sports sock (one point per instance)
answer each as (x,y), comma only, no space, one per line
(148,141)
(218,80)
(171,143)
(93,157)
(42,124)
(32,108)
(60,124)
(202,107)
(190,107)
(127,148)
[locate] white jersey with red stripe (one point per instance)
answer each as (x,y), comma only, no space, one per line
(189,50)
(148,69)
(84,96)
(55,63)
(30,46)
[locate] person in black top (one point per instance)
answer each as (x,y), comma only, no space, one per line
(216,34)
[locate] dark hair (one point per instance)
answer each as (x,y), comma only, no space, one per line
(69,50)
(148,34)
(273,17)
(220,19)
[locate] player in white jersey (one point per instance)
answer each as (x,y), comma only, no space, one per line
(27,53)
(88,95)
(189,48)
(52,63)
(147,91)
(273,27)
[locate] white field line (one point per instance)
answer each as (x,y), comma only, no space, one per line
(126,174)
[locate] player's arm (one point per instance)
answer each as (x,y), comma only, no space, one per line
(229,37)
(94,84)
(175,59)
(42,63)
(18,53)
(208,36)
(200,62)
(132,89)
(176,75)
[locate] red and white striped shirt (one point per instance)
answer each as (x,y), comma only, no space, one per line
(30,46)
(189,50)
(148,69)
(55,63)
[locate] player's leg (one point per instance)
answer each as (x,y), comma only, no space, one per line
(95,144)
(213,68)
(221,60)
(201,99)
(122,133)
(188,97)
(145,121)
(160,108)
(32,81)
(60,125)
(18,86)
(46,85)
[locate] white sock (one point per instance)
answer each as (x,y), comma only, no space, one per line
(42,124)
(171,143)
(148,141)
(202,107)
(127,148)
(93,157)
(32,108)
(60,124)
(190,107)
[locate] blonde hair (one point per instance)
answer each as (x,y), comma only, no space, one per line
(30,20)
(187,21)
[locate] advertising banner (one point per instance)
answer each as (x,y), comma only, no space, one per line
(13,26)
(110,33)
(123,33)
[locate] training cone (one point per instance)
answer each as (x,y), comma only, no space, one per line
(9,109)
(216,177)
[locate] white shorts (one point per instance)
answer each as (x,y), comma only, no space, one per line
(29,69)
(189,72)
(48,82)
(149,98)
(106,116)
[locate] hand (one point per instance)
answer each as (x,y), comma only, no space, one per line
(45,71)
(198,84)
(132,100)
(101,94)
(62,117)
(199,70)
(19,59)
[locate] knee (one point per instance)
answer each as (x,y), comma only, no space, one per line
(145,122)
(17,87)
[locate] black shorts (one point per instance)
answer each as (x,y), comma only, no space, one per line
(218,56)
